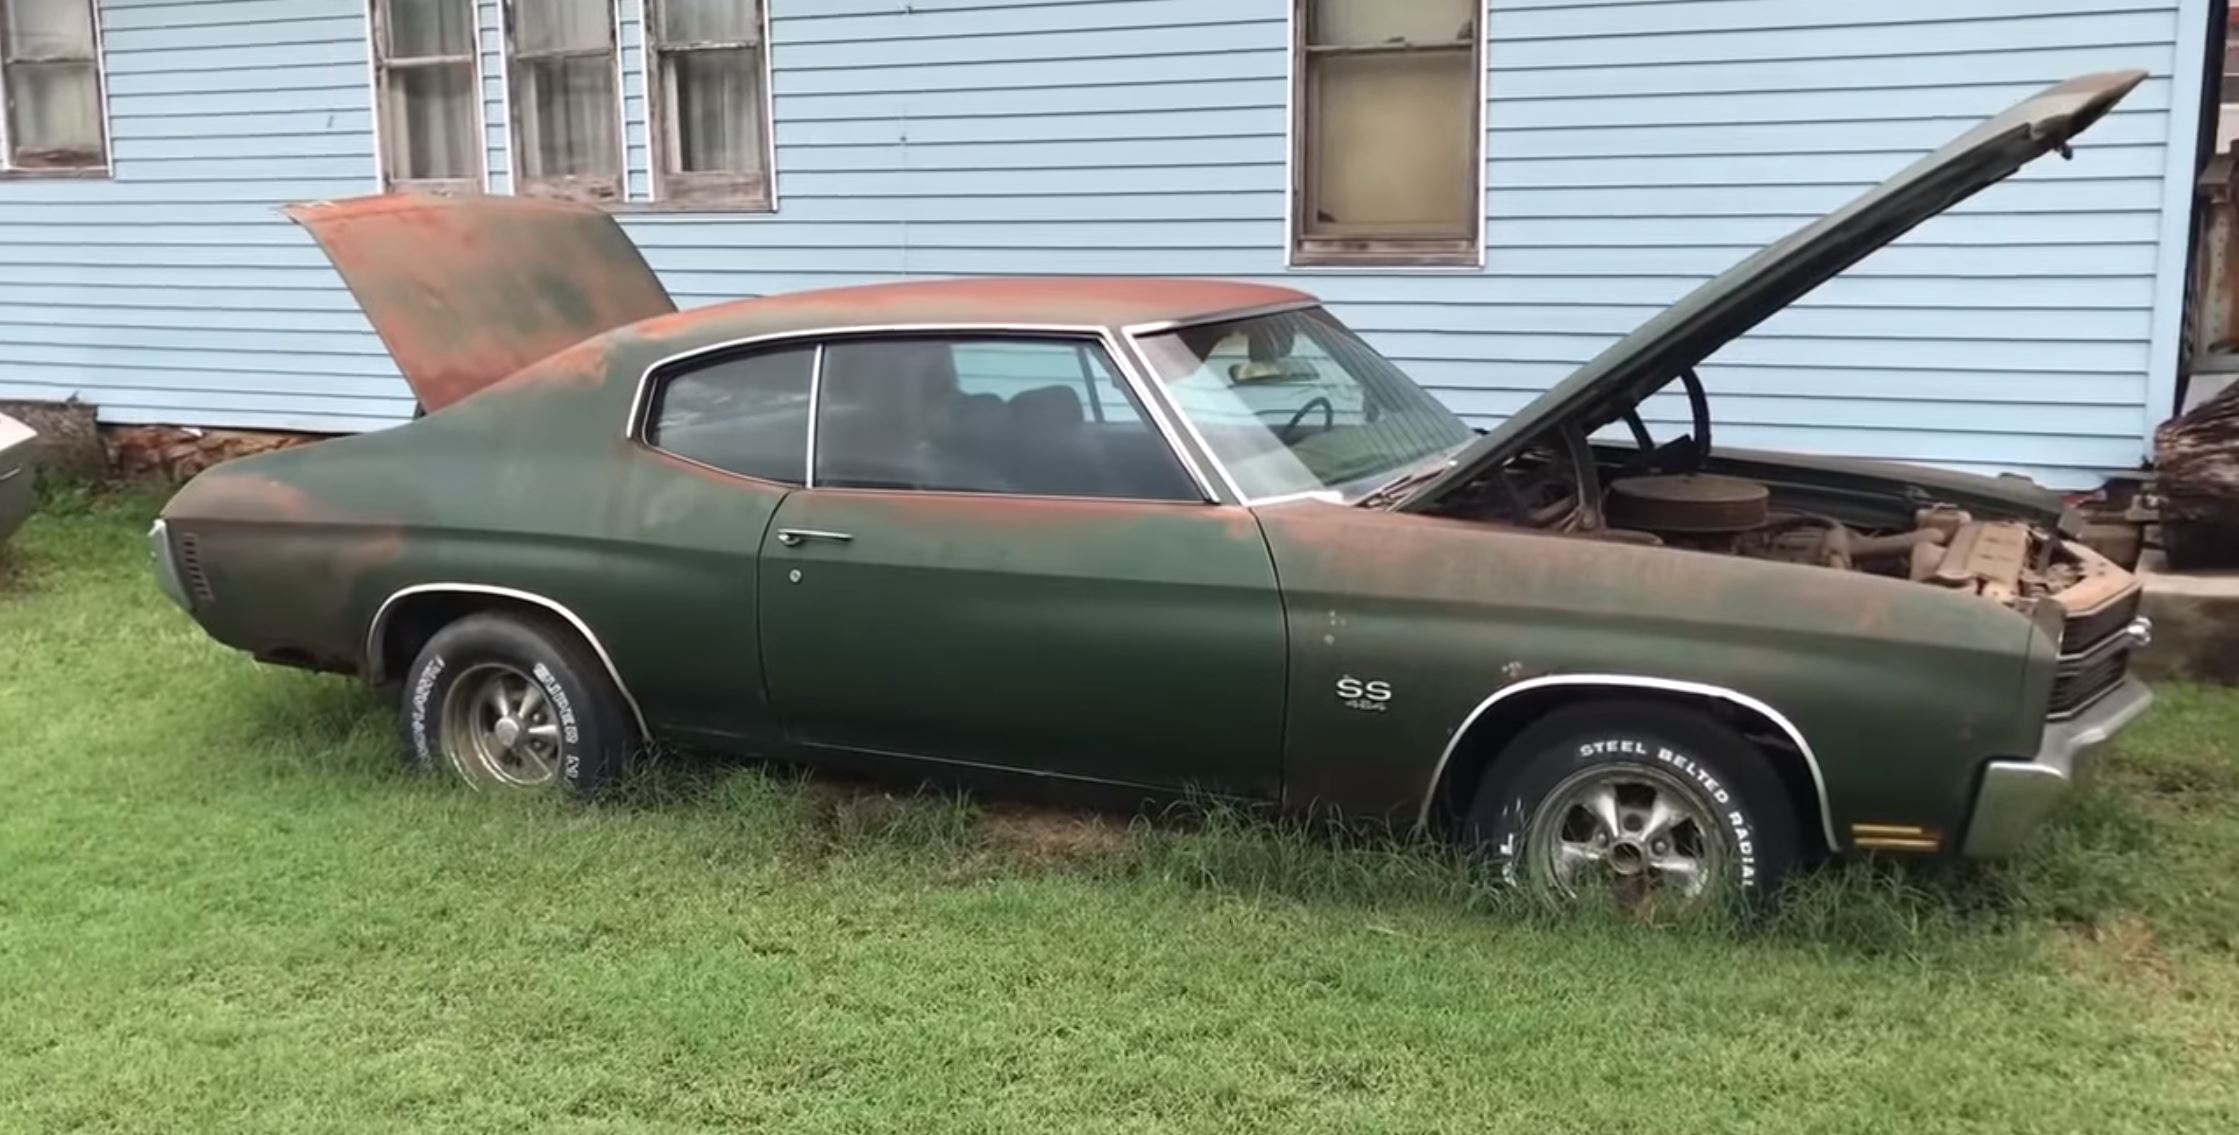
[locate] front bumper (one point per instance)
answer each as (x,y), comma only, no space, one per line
(2016,796)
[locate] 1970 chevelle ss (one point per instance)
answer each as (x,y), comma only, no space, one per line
(1172,535)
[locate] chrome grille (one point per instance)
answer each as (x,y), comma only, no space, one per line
(2095,651)
(189,553)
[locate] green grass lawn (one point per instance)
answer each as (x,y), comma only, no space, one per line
(224,906)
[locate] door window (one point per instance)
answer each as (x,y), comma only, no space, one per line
(745,414)
(1039,417)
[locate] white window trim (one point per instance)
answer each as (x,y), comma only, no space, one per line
(516,153)
(106,168)
(1293,160)
(657,126)
(480,182)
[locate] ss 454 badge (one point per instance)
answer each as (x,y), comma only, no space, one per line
(1368,697)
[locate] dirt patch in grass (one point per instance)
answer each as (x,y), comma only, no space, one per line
(1051,833)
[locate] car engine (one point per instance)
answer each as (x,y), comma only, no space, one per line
(2008,561)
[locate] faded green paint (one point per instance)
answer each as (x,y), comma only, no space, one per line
(1903,689)
(1143,643)
(1163,645)
(1112,640)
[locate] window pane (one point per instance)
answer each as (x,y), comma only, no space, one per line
(431,123)
(705,21)
(422,28)
(1391,145)
(1384,21)
(55,113)
(717,110)
(568,117)
(747,415)
(994,416)
(50,29)
(1296,403)
(564,25)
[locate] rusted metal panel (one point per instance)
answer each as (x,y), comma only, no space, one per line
(466,292)
(1024,301)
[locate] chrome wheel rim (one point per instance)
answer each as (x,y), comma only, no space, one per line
(498,725)
(1638,835)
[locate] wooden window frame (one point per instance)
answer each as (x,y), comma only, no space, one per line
(378,27)
(14,165)
(739,192)
(610,188)
(1462,248)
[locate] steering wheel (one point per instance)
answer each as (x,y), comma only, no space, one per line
(1289,432)
(1681,454)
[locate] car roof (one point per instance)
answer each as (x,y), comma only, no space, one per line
(1074,301)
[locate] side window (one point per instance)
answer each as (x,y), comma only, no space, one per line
(1035,417)
(747,415)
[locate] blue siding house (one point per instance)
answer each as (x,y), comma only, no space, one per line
(1492,193)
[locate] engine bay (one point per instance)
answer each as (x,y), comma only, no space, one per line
(2004,560)
(1576,491)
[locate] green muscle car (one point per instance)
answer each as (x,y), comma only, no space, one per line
(1168,536)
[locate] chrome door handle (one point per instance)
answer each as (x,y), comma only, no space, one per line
(795,537)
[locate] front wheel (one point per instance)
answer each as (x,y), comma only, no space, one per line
(1650,806)
(515,703)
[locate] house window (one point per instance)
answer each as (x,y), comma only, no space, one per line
(50,67)
(710,102)
(1387,161)
(566,113)
(426,80)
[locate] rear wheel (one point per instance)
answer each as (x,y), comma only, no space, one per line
(515,703)
(1645,805)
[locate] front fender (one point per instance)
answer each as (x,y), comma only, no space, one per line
(1898,689)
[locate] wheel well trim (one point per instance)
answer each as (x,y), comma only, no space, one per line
(380,625)
(1638,682)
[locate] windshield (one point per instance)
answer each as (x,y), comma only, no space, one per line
(1296,403)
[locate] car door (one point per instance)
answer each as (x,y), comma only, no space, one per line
(1000,562)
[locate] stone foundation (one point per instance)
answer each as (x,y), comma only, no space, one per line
(2195,623)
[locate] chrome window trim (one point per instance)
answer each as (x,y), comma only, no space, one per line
(816,406)
(1116,346)
(381,622)
(1638,682)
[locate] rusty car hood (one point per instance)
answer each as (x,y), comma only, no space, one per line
(1748,293)
(467,291)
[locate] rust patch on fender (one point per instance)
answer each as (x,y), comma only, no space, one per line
(466,292)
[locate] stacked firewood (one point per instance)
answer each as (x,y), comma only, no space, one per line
(2196,459)
(177,453)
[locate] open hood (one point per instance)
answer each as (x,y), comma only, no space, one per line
(1747,294)
(467,291)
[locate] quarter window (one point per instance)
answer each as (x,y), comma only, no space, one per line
(710,103)
(747,415)
(425,62)
(1034,417)
(566,109)
(1388,155)
(50,69)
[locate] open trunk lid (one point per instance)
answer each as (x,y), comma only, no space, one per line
(467,291)
(1747,294)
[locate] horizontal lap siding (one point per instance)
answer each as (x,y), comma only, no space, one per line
(176,292)
(1634,149)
